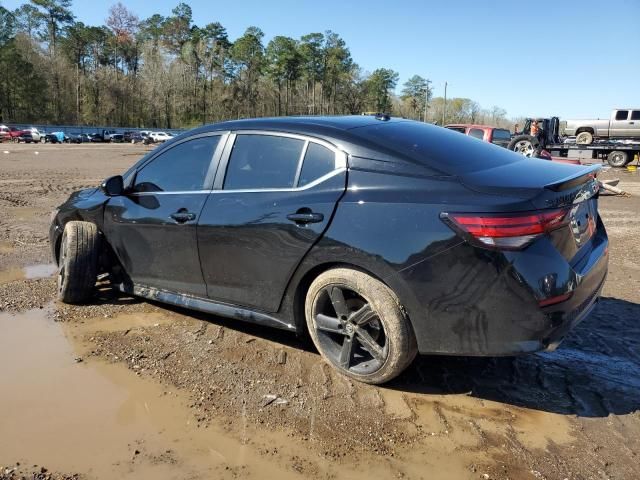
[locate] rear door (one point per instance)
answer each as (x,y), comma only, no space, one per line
(274,196)
(152,228)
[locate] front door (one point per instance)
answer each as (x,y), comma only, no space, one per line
(152,228)
(275,201)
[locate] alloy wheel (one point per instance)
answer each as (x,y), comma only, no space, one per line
(350,332)
(524,147)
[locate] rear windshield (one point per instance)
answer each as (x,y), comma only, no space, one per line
(436,147)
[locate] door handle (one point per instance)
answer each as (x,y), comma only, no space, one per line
(182,216)
(305,217)
(631,123)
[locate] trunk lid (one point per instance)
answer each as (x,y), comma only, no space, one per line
(544,185)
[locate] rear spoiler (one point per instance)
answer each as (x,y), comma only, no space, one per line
(583,176)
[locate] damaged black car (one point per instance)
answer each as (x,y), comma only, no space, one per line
(380,238)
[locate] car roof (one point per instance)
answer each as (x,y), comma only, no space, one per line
(303,124)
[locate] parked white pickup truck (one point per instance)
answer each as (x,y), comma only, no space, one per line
(624,123)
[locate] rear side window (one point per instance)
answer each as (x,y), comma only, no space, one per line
(263,161)
(318,161)
(635,115)
(180,169)
(501,135)
(476,133)
(622,114)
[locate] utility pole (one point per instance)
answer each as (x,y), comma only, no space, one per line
(426,100)
(444,107)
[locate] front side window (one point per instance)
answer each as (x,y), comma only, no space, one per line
(263,161)
(476,133)
(318,161)
(180,169)
(622,114)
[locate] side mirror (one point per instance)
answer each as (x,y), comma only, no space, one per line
(113,186)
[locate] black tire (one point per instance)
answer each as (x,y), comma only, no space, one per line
(358,326)
(78,262)
(618,158)
(526,145)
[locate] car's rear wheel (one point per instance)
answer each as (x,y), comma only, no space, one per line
(358,326)
(78,262)
(584,138)
(618,158)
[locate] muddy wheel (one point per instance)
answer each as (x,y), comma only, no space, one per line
(78,262)
(617,158)
(526,145)
(358,326)
(584,138)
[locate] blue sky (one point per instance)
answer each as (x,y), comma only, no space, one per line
(573,58)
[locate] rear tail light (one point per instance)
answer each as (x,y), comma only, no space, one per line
(512,231)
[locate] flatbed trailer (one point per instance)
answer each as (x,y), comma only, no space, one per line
(616,153)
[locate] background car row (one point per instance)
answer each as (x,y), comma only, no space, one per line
(33,135)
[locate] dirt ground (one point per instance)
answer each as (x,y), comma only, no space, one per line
(124,388)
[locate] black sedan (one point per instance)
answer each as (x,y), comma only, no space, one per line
(379,237)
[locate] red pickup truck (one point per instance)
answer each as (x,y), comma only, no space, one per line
(501,137)
(498,136)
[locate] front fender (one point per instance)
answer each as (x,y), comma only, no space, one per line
(84,205)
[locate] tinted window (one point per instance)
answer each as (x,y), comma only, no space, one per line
(456,129)
(435,147)
(263,161)
(318,161)
(181,168)
(501,135)
(476,133)
(622,114)
(635,115)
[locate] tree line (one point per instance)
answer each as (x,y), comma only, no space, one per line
(168,72)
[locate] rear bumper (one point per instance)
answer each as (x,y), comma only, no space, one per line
(486,303)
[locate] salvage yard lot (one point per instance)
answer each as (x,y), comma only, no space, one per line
(123,388)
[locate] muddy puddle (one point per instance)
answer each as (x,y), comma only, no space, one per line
(102,420)
(27,273)
(75,414)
